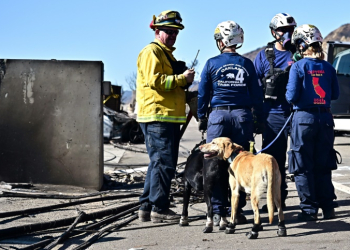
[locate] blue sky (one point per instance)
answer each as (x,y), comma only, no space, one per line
(114,31)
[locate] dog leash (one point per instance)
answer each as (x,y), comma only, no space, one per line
(284,126)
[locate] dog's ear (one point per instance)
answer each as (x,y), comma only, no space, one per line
(228,150)
(237,147)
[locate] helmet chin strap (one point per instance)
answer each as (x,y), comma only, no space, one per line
(224,47)
(274,34)
(217,45)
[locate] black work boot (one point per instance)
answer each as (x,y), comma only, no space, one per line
(165,216)
(328,214)
(307,217)
(144,215)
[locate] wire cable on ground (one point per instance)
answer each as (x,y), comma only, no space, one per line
(111,159)
(20,230)
(104,230)
(65,235)
(128,148)
(62,205)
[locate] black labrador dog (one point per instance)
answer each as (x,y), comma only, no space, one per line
(202,175)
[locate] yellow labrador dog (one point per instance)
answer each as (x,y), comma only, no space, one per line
(253,174)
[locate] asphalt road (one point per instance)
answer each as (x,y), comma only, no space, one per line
(322,234)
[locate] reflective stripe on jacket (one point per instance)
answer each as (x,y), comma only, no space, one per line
(159,94)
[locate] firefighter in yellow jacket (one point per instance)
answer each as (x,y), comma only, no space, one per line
(160,96)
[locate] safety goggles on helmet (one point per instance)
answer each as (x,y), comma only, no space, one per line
(170,32)
(301,45)
(230,33)
(167,18)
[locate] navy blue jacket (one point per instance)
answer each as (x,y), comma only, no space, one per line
(312,83)
(229,79)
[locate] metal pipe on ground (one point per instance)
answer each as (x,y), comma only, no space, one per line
(12,193)
(65,235)
(106,229)
(73,203)
(86,229)
(19,230)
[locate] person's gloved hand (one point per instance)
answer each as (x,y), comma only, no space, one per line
(203,124)
(259,127)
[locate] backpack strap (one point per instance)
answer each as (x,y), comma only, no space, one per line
(270,55)
(179,67)
(166,54)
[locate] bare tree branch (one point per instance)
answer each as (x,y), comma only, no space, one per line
(131,80)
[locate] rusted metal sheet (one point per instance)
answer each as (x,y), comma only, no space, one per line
(51,122)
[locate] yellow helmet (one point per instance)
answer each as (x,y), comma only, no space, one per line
(168,18)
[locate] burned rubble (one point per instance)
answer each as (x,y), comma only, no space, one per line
(56,215)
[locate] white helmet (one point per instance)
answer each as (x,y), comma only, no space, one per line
(282,20)
(308,33)
(230,33)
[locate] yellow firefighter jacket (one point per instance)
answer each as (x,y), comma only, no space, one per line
(159,94)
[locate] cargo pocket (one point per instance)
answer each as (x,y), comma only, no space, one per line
(215,126)
(333,159)
(215,120)
(295,163)
(301,131)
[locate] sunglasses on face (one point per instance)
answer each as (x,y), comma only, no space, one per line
(170,32)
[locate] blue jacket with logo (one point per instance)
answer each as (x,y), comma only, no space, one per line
(282,60)
(312,83)
(229,79)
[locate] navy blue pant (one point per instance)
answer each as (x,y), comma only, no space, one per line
(162,142)
(273,125)
(311,160)
(238,126)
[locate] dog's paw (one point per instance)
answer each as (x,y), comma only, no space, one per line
(208,230)
(252,235)
(261,228)
(183,221)
(183,224)
(229,230)
(282,232)
(222,227)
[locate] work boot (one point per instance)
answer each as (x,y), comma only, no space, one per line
(144,215)
(328,214)
(216,219)
(264,208)
(166,216)
(307,217)
(335,204)
(240,219)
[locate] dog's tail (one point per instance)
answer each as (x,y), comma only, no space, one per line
(270,188)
